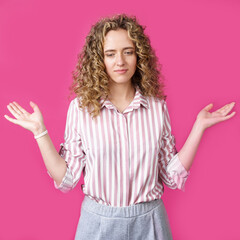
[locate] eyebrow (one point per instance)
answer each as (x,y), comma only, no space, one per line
(112,50)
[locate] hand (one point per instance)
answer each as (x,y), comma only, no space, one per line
(208,119)
(32,122)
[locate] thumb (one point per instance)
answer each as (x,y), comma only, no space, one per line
(208,107)
(34,106)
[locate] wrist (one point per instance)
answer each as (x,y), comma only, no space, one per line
(198,126)
(40,128)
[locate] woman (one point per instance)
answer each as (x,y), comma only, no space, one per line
(118,134)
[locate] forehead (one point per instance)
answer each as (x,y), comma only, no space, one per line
(117,39)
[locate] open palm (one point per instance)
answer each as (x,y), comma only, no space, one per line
(23,118)
(208,119)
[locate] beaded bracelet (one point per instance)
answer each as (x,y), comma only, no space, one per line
(41,134)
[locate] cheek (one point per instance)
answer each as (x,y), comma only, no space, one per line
(134,63)
(134,60)
(108,65)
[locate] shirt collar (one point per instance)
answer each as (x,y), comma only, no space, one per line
(138,100)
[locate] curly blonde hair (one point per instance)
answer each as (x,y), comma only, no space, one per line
(90,80)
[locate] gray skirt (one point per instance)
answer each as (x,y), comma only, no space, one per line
(145,220)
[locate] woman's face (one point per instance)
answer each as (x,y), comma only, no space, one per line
(119,54)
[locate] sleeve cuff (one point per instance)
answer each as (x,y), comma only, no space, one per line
(66,184)
(178,172)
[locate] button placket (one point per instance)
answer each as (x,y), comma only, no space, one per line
(127,156)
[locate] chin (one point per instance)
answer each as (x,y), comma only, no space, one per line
(119,80)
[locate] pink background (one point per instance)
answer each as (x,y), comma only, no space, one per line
(197,43)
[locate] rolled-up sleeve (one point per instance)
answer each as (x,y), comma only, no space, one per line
(71,150)
(171,170)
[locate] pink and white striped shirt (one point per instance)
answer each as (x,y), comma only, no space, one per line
(125,157)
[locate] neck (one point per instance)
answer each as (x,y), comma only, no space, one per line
(121,92)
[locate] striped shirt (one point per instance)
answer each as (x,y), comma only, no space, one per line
(125,157)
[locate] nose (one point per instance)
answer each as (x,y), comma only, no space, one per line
(120,60)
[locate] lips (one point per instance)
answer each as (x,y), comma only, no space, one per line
(120,70)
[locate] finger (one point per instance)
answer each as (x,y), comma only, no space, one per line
(15,107)
(222,108)
(227,105)
(221,119)
(34,106)
(20,108)
(15,121)
(208,107)
(12,111)
(230,115)
(226,109)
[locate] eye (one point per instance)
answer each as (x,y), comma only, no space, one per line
(110,55)
(129,52)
